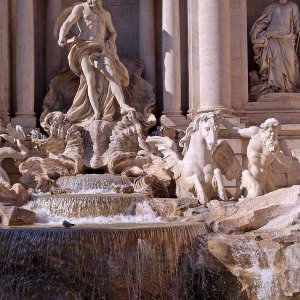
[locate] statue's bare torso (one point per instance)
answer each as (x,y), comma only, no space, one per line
(92,25)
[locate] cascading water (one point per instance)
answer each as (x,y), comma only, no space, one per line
(116,262)
(111,253)
(88,208)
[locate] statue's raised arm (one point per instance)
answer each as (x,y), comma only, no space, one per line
(75,15)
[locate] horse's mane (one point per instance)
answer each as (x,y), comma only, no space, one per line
(194,126)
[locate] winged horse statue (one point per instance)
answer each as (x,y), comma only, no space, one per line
(195,171)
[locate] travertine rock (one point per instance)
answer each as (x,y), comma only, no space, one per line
(274,211)
(15,216)
(266,267)
(16,195)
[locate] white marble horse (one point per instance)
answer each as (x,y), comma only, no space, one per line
(196,174)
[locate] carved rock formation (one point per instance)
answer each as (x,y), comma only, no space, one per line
(61,153)
(15,216)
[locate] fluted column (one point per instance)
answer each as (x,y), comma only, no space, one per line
(25,115)
(193,56)
(147,39)
(172,64)
(4,62)
(53,51)
(214,55)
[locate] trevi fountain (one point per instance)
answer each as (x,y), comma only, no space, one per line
(124,189)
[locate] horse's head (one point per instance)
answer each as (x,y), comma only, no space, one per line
(209,126)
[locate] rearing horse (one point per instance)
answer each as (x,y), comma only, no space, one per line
(196,174)
(199,174)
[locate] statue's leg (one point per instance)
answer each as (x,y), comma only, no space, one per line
(89,73)
(270,184)
(220,186)
(199,189)
(108,71)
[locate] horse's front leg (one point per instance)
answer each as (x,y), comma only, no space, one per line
(220,186)
(199,189)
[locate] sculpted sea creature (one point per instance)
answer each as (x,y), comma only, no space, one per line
(196,173)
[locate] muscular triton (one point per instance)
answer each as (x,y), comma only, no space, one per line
(263,149)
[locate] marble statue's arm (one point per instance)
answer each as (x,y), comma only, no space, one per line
(231,127)
(283,159)
(242,132)
(262,23)
(249,132)
(111,31)
(71,20)
(296,17)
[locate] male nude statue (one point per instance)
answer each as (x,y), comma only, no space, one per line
(93,57)
(262,150)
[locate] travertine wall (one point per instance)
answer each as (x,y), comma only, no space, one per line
(125,14)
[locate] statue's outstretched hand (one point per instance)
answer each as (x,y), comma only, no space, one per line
(62,42)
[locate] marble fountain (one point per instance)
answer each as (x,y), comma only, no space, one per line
(152,216)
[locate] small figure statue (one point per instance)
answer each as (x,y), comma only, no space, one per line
(93,57)
(262,150)
(274,36)
(13,135)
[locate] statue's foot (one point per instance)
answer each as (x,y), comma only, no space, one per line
(202,199)
(96,116)
(125,109)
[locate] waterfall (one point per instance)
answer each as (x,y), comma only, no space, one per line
(117,262)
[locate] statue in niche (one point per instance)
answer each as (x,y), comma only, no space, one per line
(275,39)
(88,30)
(263,149)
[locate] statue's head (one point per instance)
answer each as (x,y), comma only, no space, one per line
(270,131)
(253,78)
(283,1)
(95,5)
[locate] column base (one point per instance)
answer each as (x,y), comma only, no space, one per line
(26,121)
(225,110)
(178,121)
(4,121)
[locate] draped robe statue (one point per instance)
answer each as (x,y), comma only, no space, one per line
(274,36)
(88,30)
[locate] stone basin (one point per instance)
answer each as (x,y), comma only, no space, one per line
(161,261)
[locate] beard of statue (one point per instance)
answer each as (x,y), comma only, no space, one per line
(282,1)
(270,141)
(95,6)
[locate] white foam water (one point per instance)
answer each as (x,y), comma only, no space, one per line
(265,282)
(144,214)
